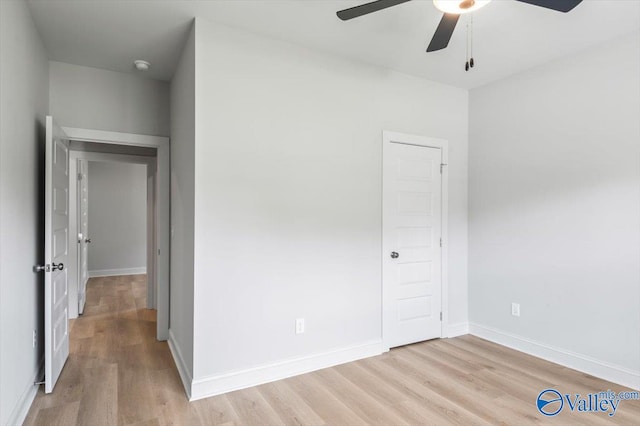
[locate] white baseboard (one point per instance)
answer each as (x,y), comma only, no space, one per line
(216,385)
(116,272)
(459,329)
(180,364)
(20,411)
(586,364)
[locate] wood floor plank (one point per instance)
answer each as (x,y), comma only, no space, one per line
(61,415)
(216,411)
(99,402)
(291,408)
(323,402)
(253,409)
(133,404)
(411,410)
(361,403)
(423,415)
(371,384)
(169,400)
(446,410)
(119,374)
(152,422)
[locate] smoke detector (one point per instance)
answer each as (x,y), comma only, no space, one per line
(141,65)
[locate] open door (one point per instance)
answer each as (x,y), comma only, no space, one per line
(83,231)
(56,230)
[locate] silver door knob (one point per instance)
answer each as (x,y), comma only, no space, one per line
(41,268)
(87,240)
(394,255)
(57,267)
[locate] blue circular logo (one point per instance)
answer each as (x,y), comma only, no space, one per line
(550,402)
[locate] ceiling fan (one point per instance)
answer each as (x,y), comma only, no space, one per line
(452,10)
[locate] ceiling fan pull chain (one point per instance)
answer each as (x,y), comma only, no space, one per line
(466,64)
(471,61)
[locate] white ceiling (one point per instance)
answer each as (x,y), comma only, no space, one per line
(509,36)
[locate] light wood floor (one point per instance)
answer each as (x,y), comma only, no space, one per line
(118,373)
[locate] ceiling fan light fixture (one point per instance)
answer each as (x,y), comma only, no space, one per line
(458,7)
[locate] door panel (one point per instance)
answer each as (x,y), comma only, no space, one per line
(56,292)
(412,227)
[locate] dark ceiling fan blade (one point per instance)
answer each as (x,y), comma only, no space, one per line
(444,32)
(559,5)
(365,9)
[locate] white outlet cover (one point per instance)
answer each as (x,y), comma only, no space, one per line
(515,309)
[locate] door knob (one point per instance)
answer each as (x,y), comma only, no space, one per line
(87,240)
(58,267)
(394,255)
(41,268)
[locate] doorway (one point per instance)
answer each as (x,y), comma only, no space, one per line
(413,238)
(111,217)
(57,232)
(152,151)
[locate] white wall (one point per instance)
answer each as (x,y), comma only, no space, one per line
(288,196)
(117,218)
(23,106)
(99,99)
(182,203)
(554,187)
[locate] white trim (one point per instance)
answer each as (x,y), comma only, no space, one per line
(117,138)
(105,157)
(152,302)
(73,289)
(442,144)
(21,409)
(216,385)
(163,207)
(117,272)
(459,329)
(576,361)
(183,371)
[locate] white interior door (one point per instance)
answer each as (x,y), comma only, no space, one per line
(83,232)
(412,231)
(56,294)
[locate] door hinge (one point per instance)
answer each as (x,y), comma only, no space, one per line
(442,166)
(440,241)
(440,316)
(80,176)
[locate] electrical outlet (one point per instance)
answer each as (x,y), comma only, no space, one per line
(299,325)
(515,309)
(35,338)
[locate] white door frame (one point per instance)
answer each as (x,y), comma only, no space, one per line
(162,228)
(150,205)
(394,137)
(74,279)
